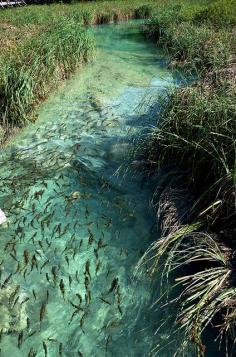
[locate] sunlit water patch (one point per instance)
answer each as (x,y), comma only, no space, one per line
(76,225)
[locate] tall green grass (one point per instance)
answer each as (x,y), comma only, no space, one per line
(37,65)
(196,137)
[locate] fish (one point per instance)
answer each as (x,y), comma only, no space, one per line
(13,295)
(70,281)
(16,300)
(6,281)
(86,283)
(47,277)
(113,285)
(25,300)
(47,297)
(80,354)
(91,238)
(20,339)
(62,288)
(60,349)
(34,294)
(34,262)
(82,321)
(76,276)
(14,257)
(54,274)
(45,349)
(104,300)
(79,297)
(67,260)
(87,268)
(98,266)
(28,323)
(26,257)
(42,313)
(44,264)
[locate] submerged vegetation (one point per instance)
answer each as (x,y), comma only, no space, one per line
(195,143)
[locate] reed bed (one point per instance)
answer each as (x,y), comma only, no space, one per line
(196,138)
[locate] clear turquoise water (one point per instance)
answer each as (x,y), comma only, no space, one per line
(78,218)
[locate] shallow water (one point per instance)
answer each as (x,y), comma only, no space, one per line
(78,218)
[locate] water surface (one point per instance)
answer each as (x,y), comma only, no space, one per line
(79,219)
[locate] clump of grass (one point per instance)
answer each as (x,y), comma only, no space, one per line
(196,135)
(50,57)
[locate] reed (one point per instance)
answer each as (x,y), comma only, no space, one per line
(196,137)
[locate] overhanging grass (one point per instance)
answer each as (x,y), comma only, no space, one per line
(196,134)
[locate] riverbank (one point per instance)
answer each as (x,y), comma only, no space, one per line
(194,146)
(43,45)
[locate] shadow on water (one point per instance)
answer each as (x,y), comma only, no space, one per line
(77,224)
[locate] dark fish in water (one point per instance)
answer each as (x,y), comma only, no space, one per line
(23,301)
(34,294)
(60,349)
(96,253)
(91,238)
(73,315)
(98,266)
(82,321)
(31,334)
(104,300)
(54,274)
(20,339)
(70,281)
(62,288)
(13,295)
(26,257)
(6,281)
(79,297)
(15,302)
(87,269)
(44,264)
(47,297)
(76,276)
(28,323)
(34,262)
(67,260)
(86,283)
(14,257)
(47,277)
(45,349)
(80,354)
(114,285)
(42,313)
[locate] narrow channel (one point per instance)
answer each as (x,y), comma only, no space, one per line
(78,218)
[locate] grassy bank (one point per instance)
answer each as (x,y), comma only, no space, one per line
(196,138)
(42,45)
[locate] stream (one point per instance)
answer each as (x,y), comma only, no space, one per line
(78,218)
